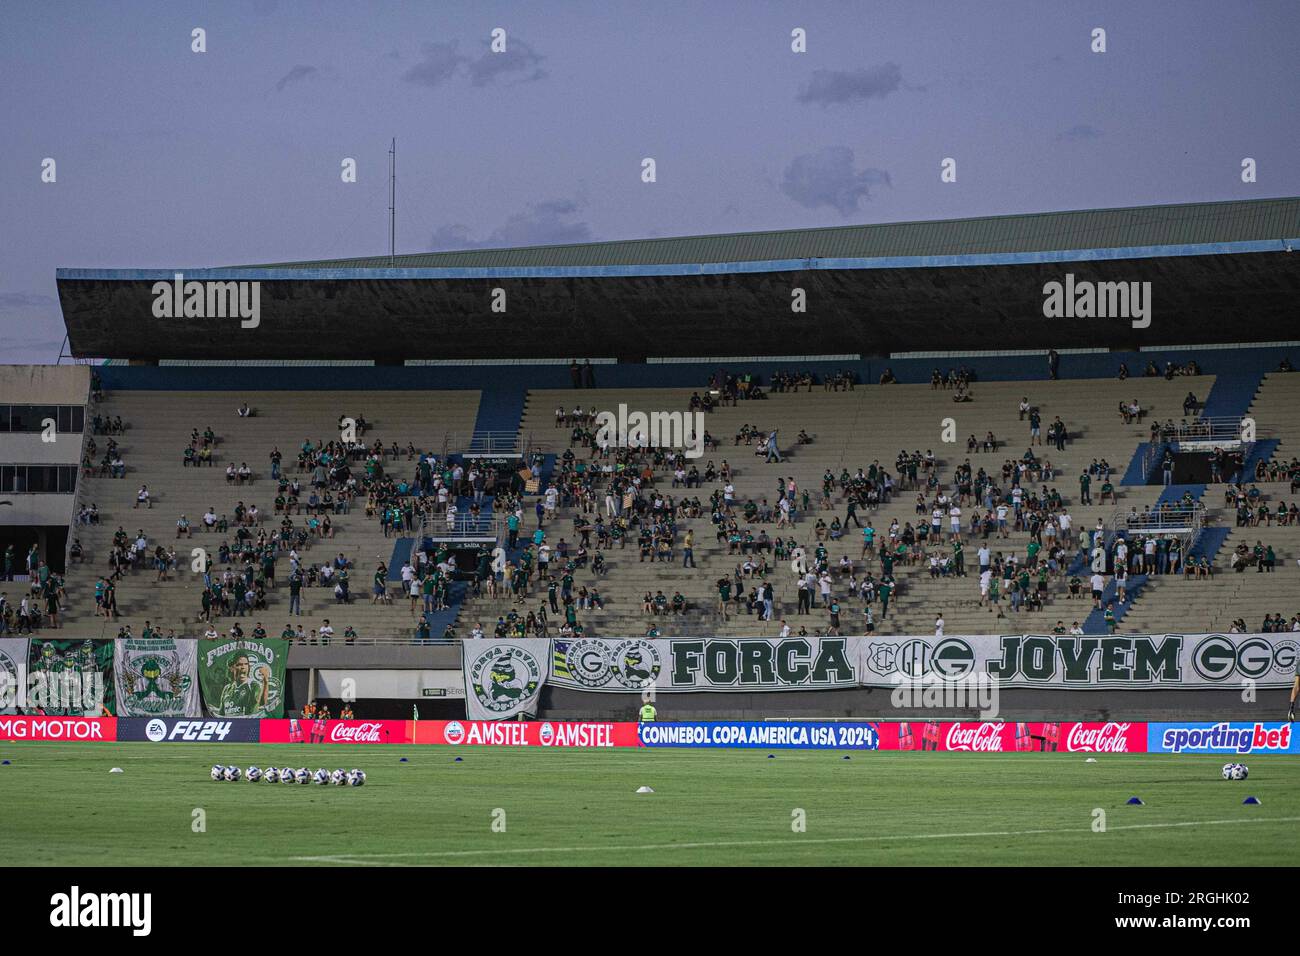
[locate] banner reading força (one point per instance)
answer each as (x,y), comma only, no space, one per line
(157,677)
(244,678)
(504,678)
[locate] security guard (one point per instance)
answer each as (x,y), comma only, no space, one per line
(647,713)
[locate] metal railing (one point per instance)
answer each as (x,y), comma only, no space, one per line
(1215,428)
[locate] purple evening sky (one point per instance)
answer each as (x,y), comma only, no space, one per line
(170,158)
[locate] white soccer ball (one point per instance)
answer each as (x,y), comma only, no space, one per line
(356,778)
(1239,771)
(338,778)
(218,772)
(270,775)
(302,775)
(1227,770)
(321,777)
(286,775)
(233,773)
(253,775)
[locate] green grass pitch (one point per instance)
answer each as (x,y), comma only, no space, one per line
(580,807)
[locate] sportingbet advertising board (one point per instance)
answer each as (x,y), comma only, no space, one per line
(1224,737)
(243,678)
(158,677)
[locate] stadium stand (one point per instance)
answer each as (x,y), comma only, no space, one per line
(848,429)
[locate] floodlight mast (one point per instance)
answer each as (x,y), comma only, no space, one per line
(392,204)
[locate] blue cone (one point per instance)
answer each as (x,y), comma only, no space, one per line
(846,756)
(4,764)
(1135,802)
(1248,802)
(403,760)
(459,759)
(771,756)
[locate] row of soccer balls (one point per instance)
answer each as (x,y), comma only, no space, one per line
(1234,771)
(339,778)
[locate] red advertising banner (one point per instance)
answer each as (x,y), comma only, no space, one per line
(1015,736)
(58,728)
(510,733)
(336,731)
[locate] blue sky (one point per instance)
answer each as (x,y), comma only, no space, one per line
(170,158)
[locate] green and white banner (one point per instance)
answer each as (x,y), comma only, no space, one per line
(13,674)
(504,678)
(157,677)
(243,678)
(707,663)
(1086,661)
(70,678)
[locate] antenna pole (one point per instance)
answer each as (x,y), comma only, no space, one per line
(392,203)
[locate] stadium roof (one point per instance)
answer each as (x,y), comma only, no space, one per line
(870,290)
(1138,226)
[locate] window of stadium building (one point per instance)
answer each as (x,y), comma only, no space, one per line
(32,418)
(38,479)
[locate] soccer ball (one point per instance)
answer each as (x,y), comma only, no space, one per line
(338,778)
(302,775)
(1239,771)
(356,778)
(321,777)
(218,772)
(253,775)
(270,775)
(286,775)
(1227,770)
(233,773)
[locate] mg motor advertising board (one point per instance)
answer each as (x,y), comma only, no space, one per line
(58,728)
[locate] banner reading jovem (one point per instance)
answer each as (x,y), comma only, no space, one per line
(722,664)
(157,677)
(243,678)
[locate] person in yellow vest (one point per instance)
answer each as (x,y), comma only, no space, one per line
(647,713)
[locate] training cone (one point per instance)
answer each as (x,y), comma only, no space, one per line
(1135,802)
(116,770)
(458,759)
(403,760)
(4,763)
(1250,802)
(1091,760)
(846,756)
(771,756)
(644,790)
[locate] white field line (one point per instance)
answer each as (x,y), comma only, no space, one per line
(390,859)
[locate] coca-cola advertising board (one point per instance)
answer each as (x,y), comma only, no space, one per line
(1015,736)
(336,731)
